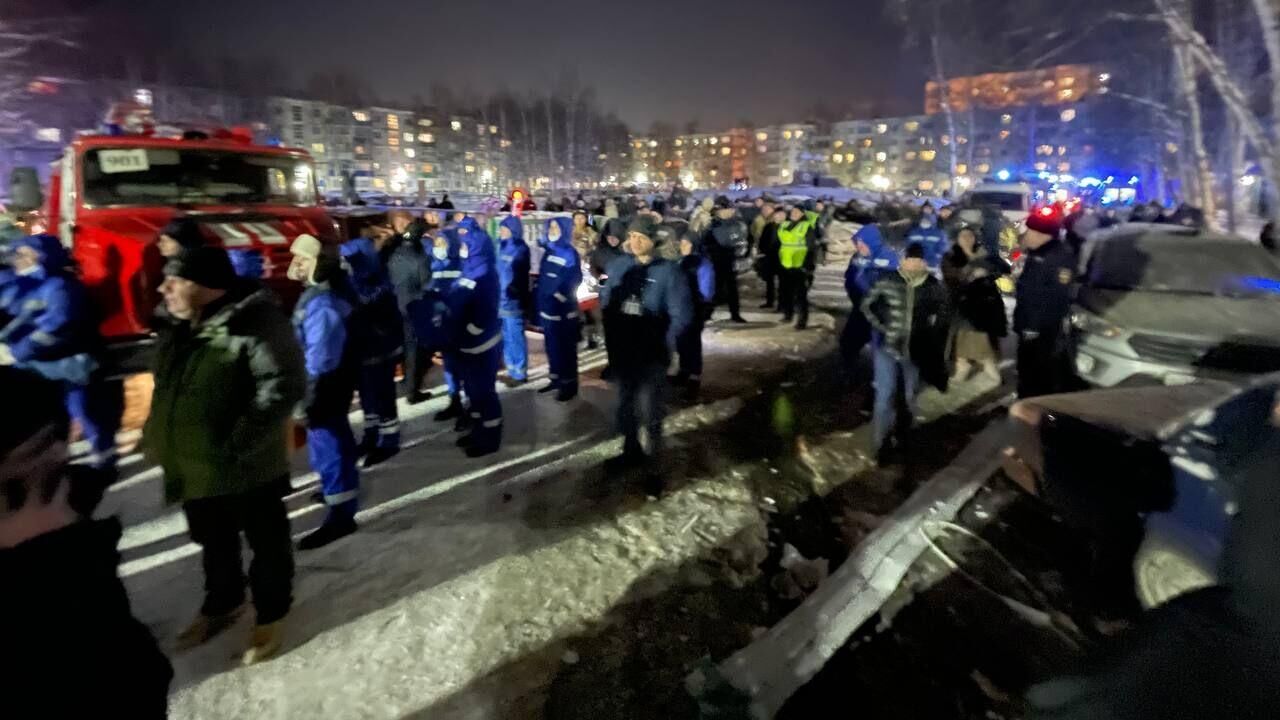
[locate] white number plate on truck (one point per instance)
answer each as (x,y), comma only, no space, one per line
(123,161)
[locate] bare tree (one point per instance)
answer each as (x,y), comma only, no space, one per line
(19,40)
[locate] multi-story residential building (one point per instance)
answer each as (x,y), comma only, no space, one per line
(885,153)
(320,128)
(781,151)
(995,91)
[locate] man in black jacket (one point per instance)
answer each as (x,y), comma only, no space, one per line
(1044,301)
(72,648)
(909,317)
(725,240)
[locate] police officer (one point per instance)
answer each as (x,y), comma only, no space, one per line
(474,325)
(648,306)
(929,234)
(377,336)
(513,275)
(446,268)
(797,240)
(559,276)
(1044,300)
(321,319)
(725,241)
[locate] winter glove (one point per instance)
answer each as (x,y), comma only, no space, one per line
(6,355)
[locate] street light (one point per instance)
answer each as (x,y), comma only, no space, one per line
(1003,175)
(880,182)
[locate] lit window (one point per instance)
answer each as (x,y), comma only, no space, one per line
(925,185)
(469,155)
(1041,167)
(360,116)
(653,143)
(1068,82)
(1104,77)
(713,141)
(928,155)
(984,168)
(426,137)
(393,122)
(317,148)
(911,126)
(799,134)
(962,169)
(393,141)
(786,134)
(1171,147)
(507,143)
(1064,167)
(679,153)
(762,148)
(1066,94)
(470,168)
(493,129)
(725,151)
(667,164)
(725,139)
(1068,115)
(882,156)
(638,144)
(679,142)
(713,172)
(962,140)
(425,122)
(837,158)
(408,137)
(410,152)
(911,155)
(837,144)
(866,142)
(1062,149)
(1044,150)
(455,125)
(711,151)
(1004,134)
(849,157)
(762,136)
(359,149)
(603,156)
(427,168)
(1006,119)
(50,135)
(882,128)
(946,139)
(379,184)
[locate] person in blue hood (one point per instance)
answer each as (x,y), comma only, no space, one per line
(874,258)
(513,274)
(446,268)
(378,339)
(49,328)
(701,276)
(322,320)
(932,237)
(474,324)
(559,276)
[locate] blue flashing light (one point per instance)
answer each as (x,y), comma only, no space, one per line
(1261,284)
(1003,175)
(1090,182)
(1134,180)
(1110,179)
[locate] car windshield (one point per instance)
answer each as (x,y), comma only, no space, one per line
(1002,200)
(1201,267)
(172,176)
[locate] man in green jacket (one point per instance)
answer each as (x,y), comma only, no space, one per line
(227,377)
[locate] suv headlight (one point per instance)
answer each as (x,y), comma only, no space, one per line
(1094,325)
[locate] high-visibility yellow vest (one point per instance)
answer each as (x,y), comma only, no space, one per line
(793,244)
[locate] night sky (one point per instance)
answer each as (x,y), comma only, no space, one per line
(713,62)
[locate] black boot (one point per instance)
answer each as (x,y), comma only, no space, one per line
(463,423)
(451,412)
(477,451)
(379,455)
(368,444)
(418,397)
(549,388)
(464,442)
(331,531)
(566,394)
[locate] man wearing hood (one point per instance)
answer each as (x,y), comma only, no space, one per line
(513,308)
(228,374)
(49,329)
(378,338)
(725,241)
(72,646)
(929,235)
(907,310)
(584,242)
(446,268)
(473,323)
(410,273)
(322,322)
(701,276)
(874,258)
(647,306)
(559,276)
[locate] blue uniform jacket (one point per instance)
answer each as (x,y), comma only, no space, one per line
(377,329)
(445,271)
(863,272)
(701,273)
(934,240)
(666,294)
(513,270)
(473,300)
(48,326)
(320,321)
(559,275)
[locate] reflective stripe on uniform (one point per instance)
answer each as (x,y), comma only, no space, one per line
(557,260)
(474,330)
(493,423)
(571,316)
(487,345)
(447,274)
(341,497)
(42,337)
(467,283)
(549,317)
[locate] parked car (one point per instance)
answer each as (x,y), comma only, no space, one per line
(1150,474)
(1164,304)
(1012,199)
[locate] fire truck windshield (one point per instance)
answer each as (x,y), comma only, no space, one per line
(172,176)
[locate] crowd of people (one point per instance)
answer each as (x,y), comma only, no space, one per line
(236,376)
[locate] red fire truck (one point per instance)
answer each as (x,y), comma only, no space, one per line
(111,194)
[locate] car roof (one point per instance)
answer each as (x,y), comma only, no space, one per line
(1018,188)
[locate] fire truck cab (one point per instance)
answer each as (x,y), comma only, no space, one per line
(110,195)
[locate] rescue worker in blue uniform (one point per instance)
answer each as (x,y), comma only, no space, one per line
(1043,304)
(477,331)
(874,258)
(322,320)
(48,327)
(647,302)
(513,276)
(700,274)
(928,232)
(446,268)
(559,276)
(377,335)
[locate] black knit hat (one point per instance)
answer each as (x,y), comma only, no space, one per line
(185,232)
(723,203)
(205,266)
(645,225)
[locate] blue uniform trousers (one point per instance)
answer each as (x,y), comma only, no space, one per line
(515,348)
(97,408)
(562,352)
(479,375)
(378,401)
